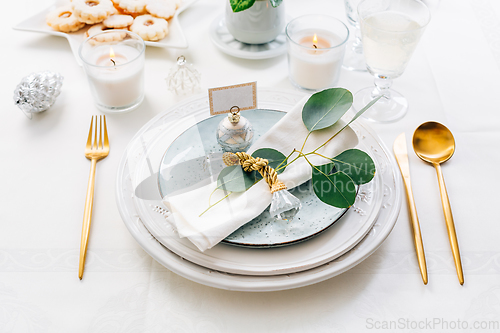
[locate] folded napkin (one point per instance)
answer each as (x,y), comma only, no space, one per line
(239,208)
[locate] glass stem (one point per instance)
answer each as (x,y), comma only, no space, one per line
(356,45)
(382,87)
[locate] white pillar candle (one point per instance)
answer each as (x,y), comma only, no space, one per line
(115,70)
(116,84)
(315,55)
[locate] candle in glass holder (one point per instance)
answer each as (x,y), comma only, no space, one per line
(115,71)
(316,45)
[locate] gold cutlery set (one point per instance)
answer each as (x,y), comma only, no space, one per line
(433,143)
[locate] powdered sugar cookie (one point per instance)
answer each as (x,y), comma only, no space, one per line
(150,27)
(92,11)
(118,21)
(62,19)
(110,37)
(161,8)
(137,7)
(177,3)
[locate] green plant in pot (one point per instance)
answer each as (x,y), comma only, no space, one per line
(240,5)
(255,21)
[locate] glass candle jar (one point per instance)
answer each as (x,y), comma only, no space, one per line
(114,63)
(316,46)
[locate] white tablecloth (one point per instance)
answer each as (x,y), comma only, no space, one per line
(452,78)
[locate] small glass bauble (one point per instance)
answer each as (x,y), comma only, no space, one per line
(234,133)
(284,205)
(183,78)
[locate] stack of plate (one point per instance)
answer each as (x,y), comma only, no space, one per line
(320,243)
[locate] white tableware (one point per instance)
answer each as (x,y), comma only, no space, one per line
(174,39)
(330,244)
(127,197)
(195,158)
(224,41)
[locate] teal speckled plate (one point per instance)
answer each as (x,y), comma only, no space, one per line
(194,159)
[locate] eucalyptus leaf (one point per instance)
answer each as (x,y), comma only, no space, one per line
(325,108)
(239,5)
(367,106)
(234,179)
(275,3)
(274,157)
(357,164)
(336,189)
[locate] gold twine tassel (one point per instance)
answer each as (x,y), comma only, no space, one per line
(250,163)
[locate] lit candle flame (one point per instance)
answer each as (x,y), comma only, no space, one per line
(315,39)
(112,53)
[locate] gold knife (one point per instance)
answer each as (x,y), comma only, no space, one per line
(402,157)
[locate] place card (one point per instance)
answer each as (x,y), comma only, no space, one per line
(222,99)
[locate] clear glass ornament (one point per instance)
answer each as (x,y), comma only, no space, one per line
(284,205)
(235,132)
(183,78)
(37,92)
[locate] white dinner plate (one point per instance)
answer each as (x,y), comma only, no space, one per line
(36,23)
(127,202)
(144,155)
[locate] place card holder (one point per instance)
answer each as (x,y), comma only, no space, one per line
(222,99)
(234,132)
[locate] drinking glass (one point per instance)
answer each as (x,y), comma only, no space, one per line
(390,32)
(353,59)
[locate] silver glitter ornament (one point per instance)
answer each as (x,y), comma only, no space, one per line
(183,78)
(284,205)
(37,92)
(235,132)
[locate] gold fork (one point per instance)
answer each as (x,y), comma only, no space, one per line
(94,151)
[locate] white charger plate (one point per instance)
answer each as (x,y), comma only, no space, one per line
(144,156)
(37,23)
(127,203)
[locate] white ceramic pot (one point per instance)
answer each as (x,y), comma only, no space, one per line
(258,24)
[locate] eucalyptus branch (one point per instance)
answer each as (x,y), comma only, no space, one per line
(210,206)
(322,110)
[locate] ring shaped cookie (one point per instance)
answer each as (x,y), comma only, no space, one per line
(118,21)
(92,11)
(132,6)
(62,19)
(161,8)
(104,38)
(150,27)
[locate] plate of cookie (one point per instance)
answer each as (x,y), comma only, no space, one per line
(156,21)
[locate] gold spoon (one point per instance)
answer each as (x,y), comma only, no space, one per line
(434,143)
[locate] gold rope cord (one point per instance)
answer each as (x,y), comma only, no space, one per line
(250,163)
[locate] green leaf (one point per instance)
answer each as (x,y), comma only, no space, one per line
(239,5)
(275,3)
(357,164)
(274,157)
(367,106)
(325,108)
(234,179)
(336,189)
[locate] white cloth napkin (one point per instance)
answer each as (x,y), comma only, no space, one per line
(239,208)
